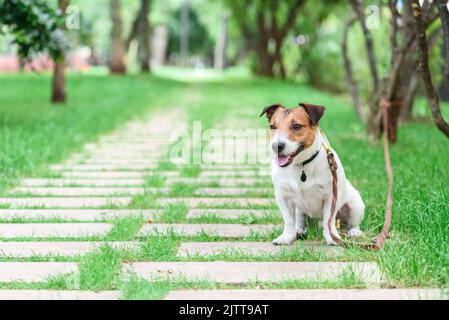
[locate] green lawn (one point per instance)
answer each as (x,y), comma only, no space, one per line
(34,133)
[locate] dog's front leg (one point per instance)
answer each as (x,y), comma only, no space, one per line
(287,208)
(326,231)
(300,224)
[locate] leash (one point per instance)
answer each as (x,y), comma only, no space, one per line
(379,243)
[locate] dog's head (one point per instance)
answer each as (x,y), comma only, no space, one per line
(292,130)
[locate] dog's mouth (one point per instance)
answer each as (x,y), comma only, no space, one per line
(286,160)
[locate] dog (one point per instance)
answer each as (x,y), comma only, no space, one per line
(302,178)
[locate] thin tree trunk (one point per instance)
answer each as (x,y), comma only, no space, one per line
(349,73)
(117,65)
(357,7)
(144,46)
(58,83)
(184,33)
(444,14)
(424,68)
(221,45)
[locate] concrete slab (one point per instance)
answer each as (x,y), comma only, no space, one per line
(246,272)
(223,182)
(232,191)
(187,249)
(229,213)
(310,294)
(83,191)
(34,271)
(221,230)
(92,182)
(50,230)
(65,202)
(58,295)
(103,167)
(75,214)
(65,249)
(210,202)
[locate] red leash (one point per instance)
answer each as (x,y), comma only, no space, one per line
(379,243)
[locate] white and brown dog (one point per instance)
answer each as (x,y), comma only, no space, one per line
(302,178)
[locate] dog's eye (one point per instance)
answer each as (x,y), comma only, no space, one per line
(297,126)
(272,126)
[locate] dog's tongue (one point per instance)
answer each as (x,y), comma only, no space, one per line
(282,160)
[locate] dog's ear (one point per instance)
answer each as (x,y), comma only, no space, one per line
(315,112)
(270,110)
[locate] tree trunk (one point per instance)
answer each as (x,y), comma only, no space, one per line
(221,45)
(58,83)
(184,33)
(444,14)
(424,68)
(144,47)
(117,65)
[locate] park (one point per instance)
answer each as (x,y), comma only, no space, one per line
(134,164)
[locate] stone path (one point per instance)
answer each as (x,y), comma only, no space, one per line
(113,193)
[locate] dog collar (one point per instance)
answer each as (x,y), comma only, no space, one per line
(303,174)
(311,158)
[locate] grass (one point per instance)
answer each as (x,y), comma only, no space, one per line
(34,133)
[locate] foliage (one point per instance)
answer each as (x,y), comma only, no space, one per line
(200,42)
(34,25)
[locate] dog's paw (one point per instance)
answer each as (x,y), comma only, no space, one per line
(284,239)
(354,233)
(329,240)
(301,234)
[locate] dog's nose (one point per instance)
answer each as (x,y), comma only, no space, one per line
(278,146)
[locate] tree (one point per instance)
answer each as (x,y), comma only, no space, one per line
(221,44)
(141,30)
(184,33)
(117,65)
(423,50)
(59,93)
(264,25)
(35,28)
(397,89)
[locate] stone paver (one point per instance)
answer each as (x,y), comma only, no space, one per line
(103,174)
(231,191)
(48,230)
(221,230)
(103,167)
(65,202)
(228,173)
(253,248)
(309,294)
(84,191)
(228,167)
(244,272)
(34,271)
(41,248)
(114,174)
(81,182)
(196,202)
(223,182)
(75,214)
(58,295)
(104,161)
(229,213)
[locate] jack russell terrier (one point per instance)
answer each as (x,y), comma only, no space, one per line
(302,178)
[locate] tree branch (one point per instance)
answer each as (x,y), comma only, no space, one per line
(357,7)
(348,69)
(424,68)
